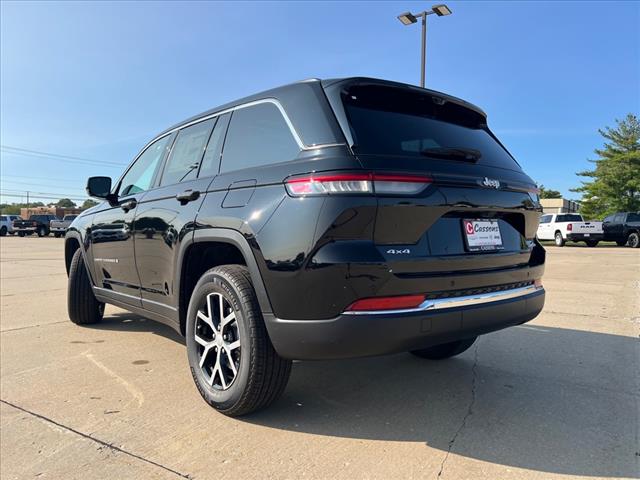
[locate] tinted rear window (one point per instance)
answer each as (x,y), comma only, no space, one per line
(257,136)
(568,218)
(633,217)
(396,121)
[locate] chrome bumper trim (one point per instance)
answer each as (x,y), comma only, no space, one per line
(454,302)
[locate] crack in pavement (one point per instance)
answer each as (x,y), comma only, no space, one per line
(469,412)
(33,326)
(97,440)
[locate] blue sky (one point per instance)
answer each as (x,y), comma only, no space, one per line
(97,80)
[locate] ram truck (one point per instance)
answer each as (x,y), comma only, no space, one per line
(35,224)
(569,227)
(59,227)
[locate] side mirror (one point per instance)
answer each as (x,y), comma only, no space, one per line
(99,187)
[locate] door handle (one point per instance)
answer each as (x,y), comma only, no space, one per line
(128,205)
(188,196)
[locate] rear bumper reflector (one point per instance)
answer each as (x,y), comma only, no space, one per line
(452,302)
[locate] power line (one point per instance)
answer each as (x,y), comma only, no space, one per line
(74,162)
(50,158)
(27,183)
(57,179)
(42,197)
(58,155)
(23,191)
(13,190)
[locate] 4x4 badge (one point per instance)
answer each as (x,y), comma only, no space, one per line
(491,183)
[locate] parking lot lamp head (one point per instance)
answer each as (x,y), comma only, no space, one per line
(441,10)
(407,18)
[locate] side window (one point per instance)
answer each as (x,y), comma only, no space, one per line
(258,135)
(186,153)
(545,219)
(140,175)
(211,160)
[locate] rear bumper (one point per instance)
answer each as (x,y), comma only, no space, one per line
(582,237)
(365,334)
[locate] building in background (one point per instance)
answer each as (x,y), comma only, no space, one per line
(559,205)
(59,212)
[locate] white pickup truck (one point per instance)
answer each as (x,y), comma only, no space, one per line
(59,227)
(563,227)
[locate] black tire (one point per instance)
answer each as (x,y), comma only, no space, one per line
(621,243)
(559,240)
(82,305)
(57,235)
(634,240)
(261,375)
(3,231)
(21,234)
(592,243)
(43,232)
(445,350)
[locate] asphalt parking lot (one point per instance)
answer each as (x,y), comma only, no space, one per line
(556,398)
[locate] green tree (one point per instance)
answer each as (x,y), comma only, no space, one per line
(14,208)
(614,183)
(88,203)
(65,203)
(548,193)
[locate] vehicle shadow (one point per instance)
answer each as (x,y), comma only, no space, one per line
(548,399)
(131,322)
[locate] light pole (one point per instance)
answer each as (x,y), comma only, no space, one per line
(408,18)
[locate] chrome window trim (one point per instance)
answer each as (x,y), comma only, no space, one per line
(453,302)
(273,101)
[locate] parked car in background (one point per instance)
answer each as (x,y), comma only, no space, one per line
(59,227)
(323,219)
(569,227)
(36,224)
(6,224)
(623,228)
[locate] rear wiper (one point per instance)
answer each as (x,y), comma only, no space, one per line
(452,153)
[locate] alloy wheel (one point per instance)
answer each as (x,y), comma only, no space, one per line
(217,337)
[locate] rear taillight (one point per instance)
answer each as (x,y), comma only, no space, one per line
(356,183)
(386,303)
(570,227)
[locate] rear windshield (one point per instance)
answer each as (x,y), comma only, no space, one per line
(568,218)
(395,121)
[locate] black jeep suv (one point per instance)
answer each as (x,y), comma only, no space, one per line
(323,219)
